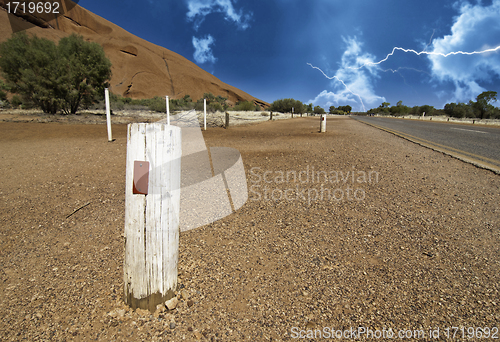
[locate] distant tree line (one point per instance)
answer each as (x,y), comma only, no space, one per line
(482,108)
(286,106)
(340,109)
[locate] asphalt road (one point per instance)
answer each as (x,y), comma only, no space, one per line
(476,144)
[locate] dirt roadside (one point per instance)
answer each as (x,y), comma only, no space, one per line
(414,247)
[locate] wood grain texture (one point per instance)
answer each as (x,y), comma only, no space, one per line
(152,221)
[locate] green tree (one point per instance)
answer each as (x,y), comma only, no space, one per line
(85,72)
(428,110)
(309,108)
(16,101)
(399,109)
(451,110)
(286,105)
(483,102)
(54,77)
(29,66)
(3,94)
(4,102)
(346,109)
(319,110)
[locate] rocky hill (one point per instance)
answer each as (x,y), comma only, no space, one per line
(140,69)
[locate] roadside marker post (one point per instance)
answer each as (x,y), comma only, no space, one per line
(322,126)
(204,114)
(168,111)
(152,207)
(108,114)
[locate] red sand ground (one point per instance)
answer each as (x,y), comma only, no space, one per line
(420,251)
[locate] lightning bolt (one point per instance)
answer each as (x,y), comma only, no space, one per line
(338,79)
(453,53)
(405,68)
(423,52)
(430,40)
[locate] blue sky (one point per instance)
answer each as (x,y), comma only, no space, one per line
(328,52)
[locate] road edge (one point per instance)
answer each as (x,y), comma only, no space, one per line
(461,157)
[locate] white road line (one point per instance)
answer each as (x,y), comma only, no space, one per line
(469,130)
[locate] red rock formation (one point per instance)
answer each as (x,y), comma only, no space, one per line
(140,69)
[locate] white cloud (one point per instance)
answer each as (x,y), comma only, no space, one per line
(203,52)
(199,9)
(352,81)
(477,28)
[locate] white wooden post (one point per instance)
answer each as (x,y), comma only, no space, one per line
(205,114)
(168,111)
(151,219)
(322,126)
(108,114)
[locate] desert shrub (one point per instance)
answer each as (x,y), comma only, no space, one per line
(54,77)
(186,103)
(214,103)
(246,106)
(157,104)
(16,101)
(215,107)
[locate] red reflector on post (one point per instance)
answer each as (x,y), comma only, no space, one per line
(141,177)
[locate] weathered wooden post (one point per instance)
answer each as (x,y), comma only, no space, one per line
(108,114)
(152,201)
(322,126)
(204,114)
(168,110)
(227,121)
(271,116)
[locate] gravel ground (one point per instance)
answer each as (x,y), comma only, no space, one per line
(416,246)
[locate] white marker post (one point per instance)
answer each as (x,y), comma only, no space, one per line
(152,206)
(205,114)
(108,114)
(168,112)
(322,126)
